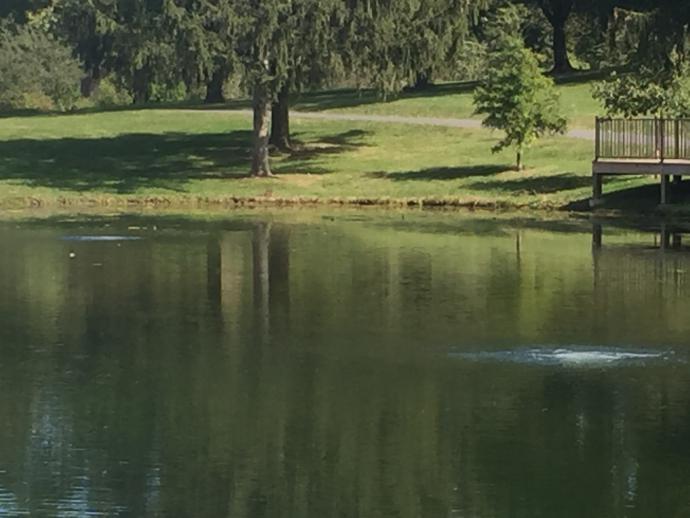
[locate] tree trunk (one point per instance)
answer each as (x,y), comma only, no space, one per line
(519,162)
(140,86)
(558,12)
(280,121)
(561,62)
(262,115)
(214,88)
(423,80)
(261,245)
(90,83)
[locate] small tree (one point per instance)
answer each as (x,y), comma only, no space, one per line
(517,98)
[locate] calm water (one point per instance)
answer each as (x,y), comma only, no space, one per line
(342,366)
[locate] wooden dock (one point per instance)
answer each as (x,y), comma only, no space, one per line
(639,147)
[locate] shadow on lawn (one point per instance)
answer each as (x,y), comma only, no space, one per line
(330,145)
(314,101)
(444,173)
(639,199)
(537,184)
(125,163)
(351,98)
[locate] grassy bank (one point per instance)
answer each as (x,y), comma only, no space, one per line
(177,158)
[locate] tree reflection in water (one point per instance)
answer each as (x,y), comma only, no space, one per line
(262,368)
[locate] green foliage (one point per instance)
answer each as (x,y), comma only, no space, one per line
(36,70)
(20,9)
(108,94)
(471,66)
(133,40)
(392,43)
(517,98)
(205,35)
(646,93)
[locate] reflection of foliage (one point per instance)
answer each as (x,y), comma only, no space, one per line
(172,405)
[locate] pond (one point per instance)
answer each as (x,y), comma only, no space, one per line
(344,364)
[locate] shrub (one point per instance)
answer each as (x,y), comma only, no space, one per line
(36,70)
(108,94)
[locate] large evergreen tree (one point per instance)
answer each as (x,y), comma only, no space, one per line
(397,43)
(313,55)
(205,34)
(262,49)
(284,44)
(91,32)
(134,39)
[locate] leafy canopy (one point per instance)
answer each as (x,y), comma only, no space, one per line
(645,94)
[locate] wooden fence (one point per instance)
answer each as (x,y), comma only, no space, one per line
(642,139)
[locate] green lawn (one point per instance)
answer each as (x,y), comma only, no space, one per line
(453,100)
(180,158)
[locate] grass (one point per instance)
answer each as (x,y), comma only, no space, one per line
(453,100)
(169,157)
(576,101)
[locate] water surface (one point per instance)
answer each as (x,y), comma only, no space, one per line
(296,365)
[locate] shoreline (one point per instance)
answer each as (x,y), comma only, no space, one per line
(199,202)
(104,205)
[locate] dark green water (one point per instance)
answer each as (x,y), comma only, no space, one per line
(307,366)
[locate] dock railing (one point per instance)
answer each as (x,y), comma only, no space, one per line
(642,139)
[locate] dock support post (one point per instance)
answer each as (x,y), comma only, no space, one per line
(664,189)
(676,240)
(597,189)
(677,179)
(597,236)
(665,242)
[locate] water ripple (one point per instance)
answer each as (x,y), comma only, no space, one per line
(100,238)
(569,357)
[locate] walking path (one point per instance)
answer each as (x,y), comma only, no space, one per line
(576,133)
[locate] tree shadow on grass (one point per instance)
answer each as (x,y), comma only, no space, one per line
(640,199)
(324,146)
(444,173)
(126,163)
(351,98)
(536,184)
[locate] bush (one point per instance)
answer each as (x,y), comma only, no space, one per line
(167,93)
(108,94)
(36,70)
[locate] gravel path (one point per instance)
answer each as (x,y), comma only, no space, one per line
(582,134)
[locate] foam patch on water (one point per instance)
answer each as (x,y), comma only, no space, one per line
(100,238)
(568,357)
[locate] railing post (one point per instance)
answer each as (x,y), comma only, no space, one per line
(677,138)
(662,137)
(597,139)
